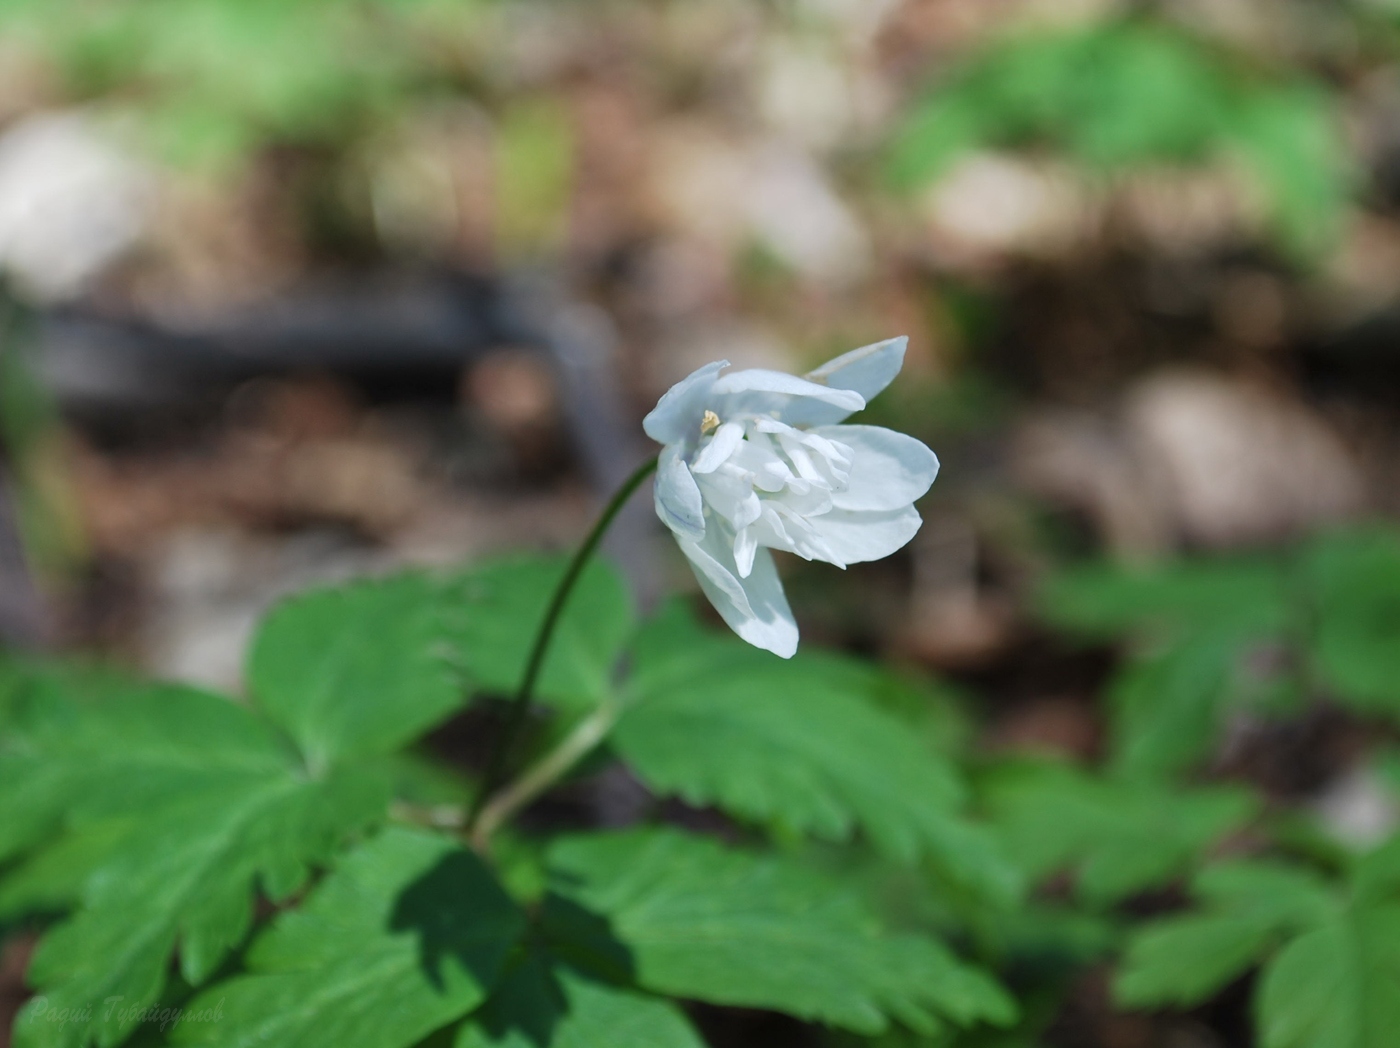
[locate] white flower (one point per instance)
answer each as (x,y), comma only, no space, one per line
(757,460)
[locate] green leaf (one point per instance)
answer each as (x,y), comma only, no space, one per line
(1356,581)
(216,805)
(1168,707)
(1118,837)
(1248,910)
(1331,975)
(496,611)
(407,935)
(1293,139)
(52,881)
(799,744)
(729,927)
(1133,94)
(539,1006)
(1184,961)
(356,670)
(1337,986)
(1238,598)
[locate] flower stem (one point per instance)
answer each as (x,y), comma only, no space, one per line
(576,745)
(520,705)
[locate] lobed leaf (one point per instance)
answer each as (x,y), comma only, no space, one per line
(542,1005)
(729,927)
(1336,986)
(1356,581)
(495,611)
(798,744)
(205,804)
(1330,954)
(1118,837)
(356,670)
(406,936)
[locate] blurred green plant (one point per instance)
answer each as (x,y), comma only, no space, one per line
(1330,949)
(1209,640)
(213,79)
(1136,93)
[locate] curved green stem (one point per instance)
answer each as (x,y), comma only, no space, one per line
(520,706)
(578,744)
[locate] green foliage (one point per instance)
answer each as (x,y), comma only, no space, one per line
(495,611)
(1356,649)
(712,720)
(213,79)
(730,927)
(1133,93)
(149,818)
(565,1010)
(1210,639)
(215,804)
(144,822)
(356,671)
(1330,953)
(408,935)
(1118,837)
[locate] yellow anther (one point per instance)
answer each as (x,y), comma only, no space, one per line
(709,423)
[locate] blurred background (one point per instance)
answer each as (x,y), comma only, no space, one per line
(299,289)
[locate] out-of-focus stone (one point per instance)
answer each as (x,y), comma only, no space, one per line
(1359,808)
(1189,211)
(1238,463)
(727,192)
(992,204)
(209,588)
(71,203)
(1079,459)
(1193,457)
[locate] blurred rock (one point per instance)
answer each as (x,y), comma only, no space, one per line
(809,93)
(1078,459)
(1253,309)
(727,192)
(990,204)
(1193,457)
(209,588)
(1238,463)
(71,203)
(1188,211)
(1359,808)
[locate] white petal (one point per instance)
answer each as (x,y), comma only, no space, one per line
(854,538)
(867,371)
(889,470)
(717,451)
(729,493)
(756,608)
(677,496)
(758,391)
(677,416)
(745,549)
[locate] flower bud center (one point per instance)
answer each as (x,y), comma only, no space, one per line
(709,423)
